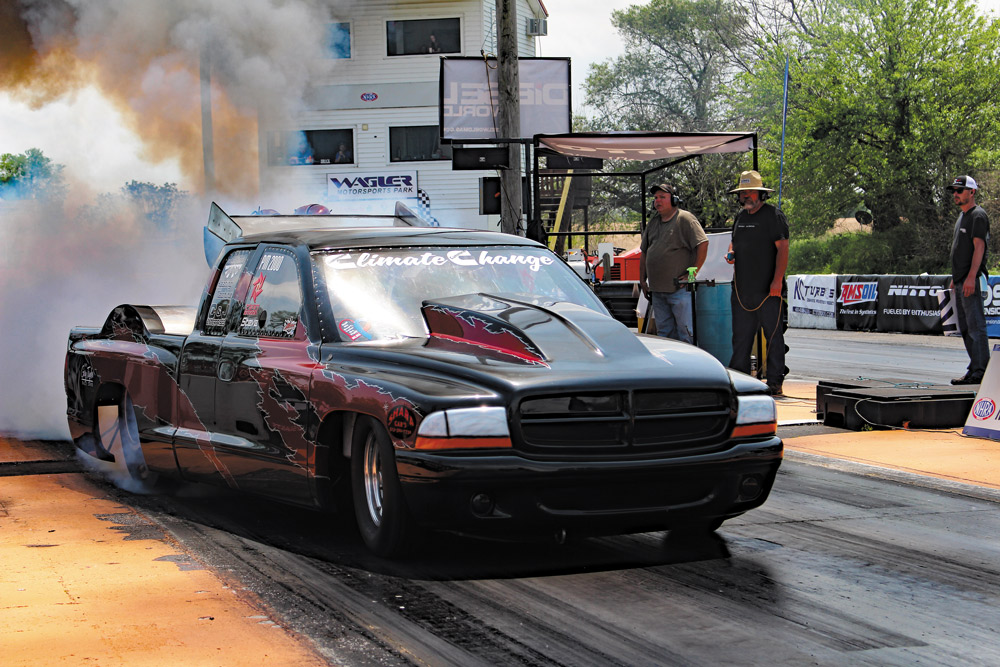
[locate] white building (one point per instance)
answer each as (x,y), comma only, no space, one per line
(378,113)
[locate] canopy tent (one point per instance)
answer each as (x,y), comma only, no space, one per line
(667,148)
(647,145)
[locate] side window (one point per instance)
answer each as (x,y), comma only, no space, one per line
(274,300)
(222,299)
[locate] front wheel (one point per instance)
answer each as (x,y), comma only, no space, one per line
(383,518)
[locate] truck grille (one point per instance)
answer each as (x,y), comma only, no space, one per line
(624,423)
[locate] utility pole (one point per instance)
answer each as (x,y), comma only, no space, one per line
(509,114)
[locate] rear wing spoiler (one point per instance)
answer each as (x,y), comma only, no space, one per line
(223,228)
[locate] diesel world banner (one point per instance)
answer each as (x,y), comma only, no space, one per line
(469,99)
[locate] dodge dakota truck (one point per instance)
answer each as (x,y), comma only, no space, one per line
(430,378)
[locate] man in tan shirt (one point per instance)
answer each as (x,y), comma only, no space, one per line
(672,241)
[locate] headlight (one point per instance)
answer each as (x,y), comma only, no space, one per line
(465,428)
(755,415)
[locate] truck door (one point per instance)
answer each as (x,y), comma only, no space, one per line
(262,405)
(198,368)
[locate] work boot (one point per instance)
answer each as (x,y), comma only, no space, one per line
(775,390)
(968,379)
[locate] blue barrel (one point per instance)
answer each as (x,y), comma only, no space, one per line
(715,320)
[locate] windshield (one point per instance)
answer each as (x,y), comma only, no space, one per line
(377,294)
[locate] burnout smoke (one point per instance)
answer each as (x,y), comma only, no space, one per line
(69,265)
(62,270)
(146,56)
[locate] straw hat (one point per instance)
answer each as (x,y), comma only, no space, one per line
(750,180)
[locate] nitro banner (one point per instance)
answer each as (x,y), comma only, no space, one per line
(910,304)
(857,302)
(812,302)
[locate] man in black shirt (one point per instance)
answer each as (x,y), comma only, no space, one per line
(968,263)
(759,252)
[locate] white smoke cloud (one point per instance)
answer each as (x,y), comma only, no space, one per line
(64,270)
(67,266)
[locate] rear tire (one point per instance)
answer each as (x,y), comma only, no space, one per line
(383,518)
(118,434)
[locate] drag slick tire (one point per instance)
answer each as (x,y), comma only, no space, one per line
(383,518)
(119,436)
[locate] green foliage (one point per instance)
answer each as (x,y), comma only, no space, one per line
(31,175)
(889,100)
(673,77)
(156,202)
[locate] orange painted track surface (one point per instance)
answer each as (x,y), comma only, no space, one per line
(941,453)
(86,580)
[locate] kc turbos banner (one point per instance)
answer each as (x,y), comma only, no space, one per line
(812,302)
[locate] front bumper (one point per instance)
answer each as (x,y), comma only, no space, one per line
(508,495)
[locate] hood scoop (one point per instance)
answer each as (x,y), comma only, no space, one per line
(485,322)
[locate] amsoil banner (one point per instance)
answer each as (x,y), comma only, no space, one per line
(910,304)
(812,302)
(857,302)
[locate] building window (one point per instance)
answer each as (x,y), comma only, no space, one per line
(410,38)
(414,144)
(338,40)
(310,147)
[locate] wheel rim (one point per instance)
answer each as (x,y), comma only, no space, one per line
(373,479)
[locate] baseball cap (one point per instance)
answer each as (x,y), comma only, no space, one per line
(963,183)
(662,187)
(750,180)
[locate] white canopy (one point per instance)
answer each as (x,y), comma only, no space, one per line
(646,145)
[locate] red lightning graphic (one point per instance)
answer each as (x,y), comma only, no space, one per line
(258,287)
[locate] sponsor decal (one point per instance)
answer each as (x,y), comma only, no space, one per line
(457,257)
(396,184)
(915,290)
(87,376)
(984,408)
(370,182)
(356,330)
(288,328)
(252,309)
(804,292)
(258,287)
(401,422)
(271,262)
(851,293)
(369,97)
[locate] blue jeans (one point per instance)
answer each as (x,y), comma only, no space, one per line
(672,312)
(972,323)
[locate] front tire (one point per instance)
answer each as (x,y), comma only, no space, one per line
(379,507)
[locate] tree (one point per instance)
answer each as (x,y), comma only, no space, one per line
(889,100)
(678,64)
(156,202)
(31,175)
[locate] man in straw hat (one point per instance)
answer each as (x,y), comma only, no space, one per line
(968,263)
(759,253)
